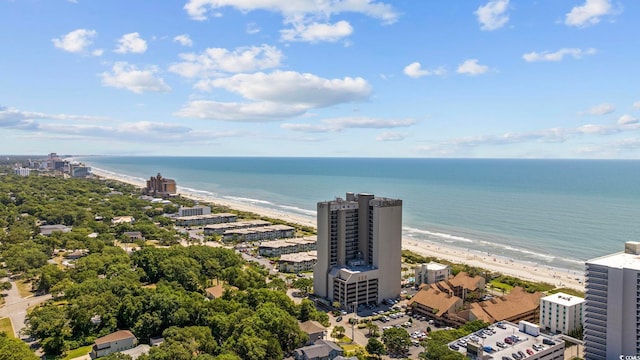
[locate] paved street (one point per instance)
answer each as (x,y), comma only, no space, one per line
(15,307)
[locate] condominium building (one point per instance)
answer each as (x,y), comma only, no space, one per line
(260,233)
(159,186)
(431,273)
(612,305)
(297,262)
(359,249)
(287,246)
(219,229)
(194,210)
(206,219)
(561,313)
(22,171)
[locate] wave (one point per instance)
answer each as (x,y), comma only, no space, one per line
(438,234)
(248,200)
(299,210)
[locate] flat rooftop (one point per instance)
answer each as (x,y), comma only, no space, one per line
(563,299)
(300,257)
(618,261)
(526,341)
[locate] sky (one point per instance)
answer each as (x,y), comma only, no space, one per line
(335,78)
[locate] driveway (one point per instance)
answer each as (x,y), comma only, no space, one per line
(15,307)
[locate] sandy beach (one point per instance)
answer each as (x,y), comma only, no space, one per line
(524,270)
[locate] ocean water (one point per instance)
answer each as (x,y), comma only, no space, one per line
(553,212)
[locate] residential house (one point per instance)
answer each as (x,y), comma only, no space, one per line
(112,343)
(320,350)
(314,329)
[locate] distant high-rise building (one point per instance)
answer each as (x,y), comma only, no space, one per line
(612,305)
(359,249)
(159,186)
(21,171)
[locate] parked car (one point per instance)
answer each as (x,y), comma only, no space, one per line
(339,318)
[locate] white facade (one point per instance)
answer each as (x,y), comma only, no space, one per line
(359,249)
(561,313)
(612,306)
(431,273)
(193,211)
(22,171)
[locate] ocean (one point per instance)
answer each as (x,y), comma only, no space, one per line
(552,212)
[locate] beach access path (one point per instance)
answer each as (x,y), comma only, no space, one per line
(512,267)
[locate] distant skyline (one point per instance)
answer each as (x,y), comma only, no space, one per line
(352,78)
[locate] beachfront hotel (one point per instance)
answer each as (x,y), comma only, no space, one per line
(612,305)
(359,250)
(561,313)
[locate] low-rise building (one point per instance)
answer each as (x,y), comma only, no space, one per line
(433,304)
(112,343)
(46,230)
(122,220)
(298,262)
(22,171)
(206,219)
(517,305)
(218,290)
(561,313)
(465,286)
(314,329)
(260,233)
(219,229)
(431,273)
(320,350)
(524,341)
(194,210)
(287,246)
(132,236)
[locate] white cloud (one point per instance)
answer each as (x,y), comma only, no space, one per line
(493,15)
(627,120)
(253,28)
(240,112)
(216,61)
(183,39)
(415,70)
(131,43)
(339,124)
(76,41)
(589,13)
(125,76)
(558,55)
(290,87)
(600,109)
(316,32)
(636,105)
(97,52)
(198,9)
(391,136)
(471,67)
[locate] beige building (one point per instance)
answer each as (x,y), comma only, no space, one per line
(115,342)
(431,273)
(219,229)
(297,262)
(287,246)
(260,233)
(206,219)
(194,210)
(359,249)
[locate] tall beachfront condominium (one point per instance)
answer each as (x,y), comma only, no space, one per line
(359,250)
(612,306)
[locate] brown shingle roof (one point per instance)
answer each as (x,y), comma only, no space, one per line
(467,282)
(217,290)
(517,302)
(312,327)
(116,336)
(436,299)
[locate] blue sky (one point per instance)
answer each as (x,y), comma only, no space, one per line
(357,78)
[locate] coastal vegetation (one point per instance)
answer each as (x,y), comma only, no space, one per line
(153,291)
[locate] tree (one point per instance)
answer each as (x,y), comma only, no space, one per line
(374,330)
(11,348)
(338,332)
(375,347)
(303,284)
(397,341)
(278,284)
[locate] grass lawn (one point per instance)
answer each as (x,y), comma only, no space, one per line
(71,354)
(5,326)
(499,286)
(24,288)
(344,339)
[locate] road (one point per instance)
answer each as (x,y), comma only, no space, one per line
(15,307)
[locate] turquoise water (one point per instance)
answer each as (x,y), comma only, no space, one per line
(555,212)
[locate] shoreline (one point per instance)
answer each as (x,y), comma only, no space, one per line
(531,271)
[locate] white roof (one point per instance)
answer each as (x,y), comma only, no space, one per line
(618,261)
(563,299)
(434,266)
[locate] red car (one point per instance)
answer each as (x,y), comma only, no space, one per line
(529,351)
